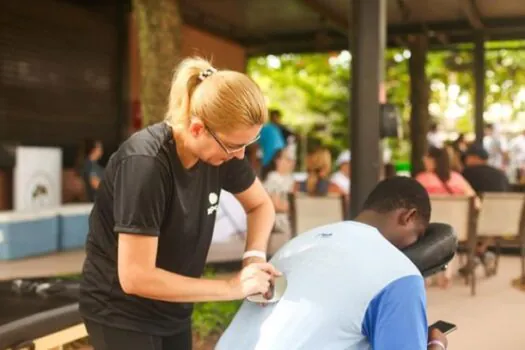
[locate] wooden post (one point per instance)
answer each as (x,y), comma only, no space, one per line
(419,99)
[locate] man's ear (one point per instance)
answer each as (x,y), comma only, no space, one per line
(406,216)
(196,127)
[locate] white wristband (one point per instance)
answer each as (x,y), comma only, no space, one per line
(254,254)
(438,343)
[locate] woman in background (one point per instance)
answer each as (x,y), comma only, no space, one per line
(342,177)
(460,146)
(278,180)
(439,178)
(319,167)
(456,164)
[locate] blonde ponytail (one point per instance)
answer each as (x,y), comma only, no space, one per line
(185,80)
(223,99)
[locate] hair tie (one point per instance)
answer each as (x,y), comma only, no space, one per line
(206,73)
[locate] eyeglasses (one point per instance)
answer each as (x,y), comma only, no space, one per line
(227,149)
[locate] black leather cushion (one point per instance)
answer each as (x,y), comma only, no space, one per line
(434,250)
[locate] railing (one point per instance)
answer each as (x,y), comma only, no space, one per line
(39,313)
(40,331)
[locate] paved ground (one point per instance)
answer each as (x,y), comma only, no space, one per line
(493,319)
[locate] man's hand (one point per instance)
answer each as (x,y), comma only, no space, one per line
(436,334)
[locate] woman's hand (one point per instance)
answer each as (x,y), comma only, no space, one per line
(255,278)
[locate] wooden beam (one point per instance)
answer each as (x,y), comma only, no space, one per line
(471,10)
(405,10)
(405,15)
(400,41)
(419,99)
(340,21)
(60,338)
(441,37)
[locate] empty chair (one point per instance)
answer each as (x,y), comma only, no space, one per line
(307,212)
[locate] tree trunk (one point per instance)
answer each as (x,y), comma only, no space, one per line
(159,28)
(419,99)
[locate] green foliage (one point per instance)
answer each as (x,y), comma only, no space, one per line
(312,89)
(213,318)
(398,81)
(400,149)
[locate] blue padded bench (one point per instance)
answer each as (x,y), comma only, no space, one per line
(74,225)
(24,234)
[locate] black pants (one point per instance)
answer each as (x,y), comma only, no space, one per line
(102,337)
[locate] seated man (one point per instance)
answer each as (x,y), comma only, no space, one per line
(349,286)
(483,178)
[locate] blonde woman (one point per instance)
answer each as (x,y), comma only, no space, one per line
(319,167)
(154,214)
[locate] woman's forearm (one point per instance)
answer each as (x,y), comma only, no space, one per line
(163,285)
(260,224)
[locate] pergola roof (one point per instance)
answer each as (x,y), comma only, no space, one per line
(280,26)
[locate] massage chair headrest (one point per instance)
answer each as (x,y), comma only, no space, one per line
(432,252)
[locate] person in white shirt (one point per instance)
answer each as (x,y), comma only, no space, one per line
(434,138)
(517,157)
(341,178)
(278,181)
(349,286)
(495,145)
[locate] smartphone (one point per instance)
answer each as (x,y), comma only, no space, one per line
(444,327)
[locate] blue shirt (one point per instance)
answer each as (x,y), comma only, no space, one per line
(91,169)
(270,142)
(348,289)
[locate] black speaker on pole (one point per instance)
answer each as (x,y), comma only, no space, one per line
(390,122)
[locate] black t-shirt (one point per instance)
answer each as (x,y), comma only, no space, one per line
(145,190)
(485,178)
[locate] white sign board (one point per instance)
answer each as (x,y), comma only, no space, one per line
(37,178)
